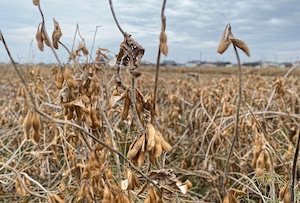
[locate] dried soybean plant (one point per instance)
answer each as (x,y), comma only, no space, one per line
(149,142)
(226,40)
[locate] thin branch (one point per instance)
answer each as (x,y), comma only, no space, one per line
(115,18)
(294,168)
(24,186)
(285,76)
(163,28)
(98,26)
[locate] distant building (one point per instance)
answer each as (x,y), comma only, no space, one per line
(193,63)
(266,64)
(169,63)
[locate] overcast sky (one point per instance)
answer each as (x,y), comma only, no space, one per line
(271,28)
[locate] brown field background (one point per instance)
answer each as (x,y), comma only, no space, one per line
(197,108)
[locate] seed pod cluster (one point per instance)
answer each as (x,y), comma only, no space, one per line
(140,104)
(83,49)
(153,196)
(152,142)
(97,178)
(227,39)
(41,37)
(261,158)
(32,126)
(156,144)
(101,55)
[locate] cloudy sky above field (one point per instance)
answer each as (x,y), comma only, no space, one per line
(194,28)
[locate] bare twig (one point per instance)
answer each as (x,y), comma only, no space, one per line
(163,28)
(115,18)
(98,26)
(294,168)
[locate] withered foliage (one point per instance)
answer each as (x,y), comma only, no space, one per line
(196,120)
(182,148)
(130,55)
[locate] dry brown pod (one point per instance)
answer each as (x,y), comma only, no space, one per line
(165,145)
(36,125)
(158,147)
(140,158)
(27,125)
(39,38)
(135,147)
(163,43)
(126,105)
(150,137)
(59,79)
(242,45)
(285,194)
(20,190)
(44,36)
(36,2)
(225,40)
(56,34)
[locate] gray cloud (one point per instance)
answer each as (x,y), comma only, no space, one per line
(270,28)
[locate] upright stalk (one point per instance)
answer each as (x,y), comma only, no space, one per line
(163,18)
(294,169)
(236,130)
